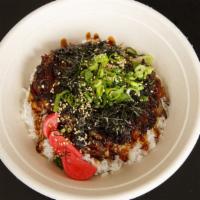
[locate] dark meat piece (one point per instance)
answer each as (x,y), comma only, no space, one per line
(43,79)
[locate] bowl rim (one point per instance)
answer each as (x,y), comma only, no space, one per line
(168,172)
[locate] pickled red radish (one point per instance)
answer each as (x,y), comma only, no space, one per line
(61,145)
(77,168)
(50,124)
(74,166)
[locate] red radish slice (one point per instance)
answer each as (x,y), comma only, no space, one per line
(74,165)
(72,150)
(61,145)
(50,124)
(77,168)
(58,142)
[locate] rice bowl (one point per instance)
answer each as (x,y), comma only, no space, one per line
(108,101)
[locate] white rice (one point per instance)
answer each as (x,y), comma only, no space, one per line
(136,153)
(27,116)
(164,104)
(104,167)
(161,124)
(151,139)
(47,150)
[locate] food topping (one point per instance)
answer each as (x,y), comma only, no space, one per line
(95,98)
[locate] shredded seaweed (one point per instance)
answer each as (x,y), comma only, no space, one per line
(99,87)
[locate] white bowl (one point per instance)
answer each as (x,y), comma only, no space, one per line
(133,24)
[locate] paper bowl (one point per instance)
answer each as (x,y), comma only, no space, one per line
(134,25)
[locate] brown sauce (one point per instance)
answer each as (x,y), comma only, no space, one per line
(96,36)
(111,40)
(63,43)
(88,36)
